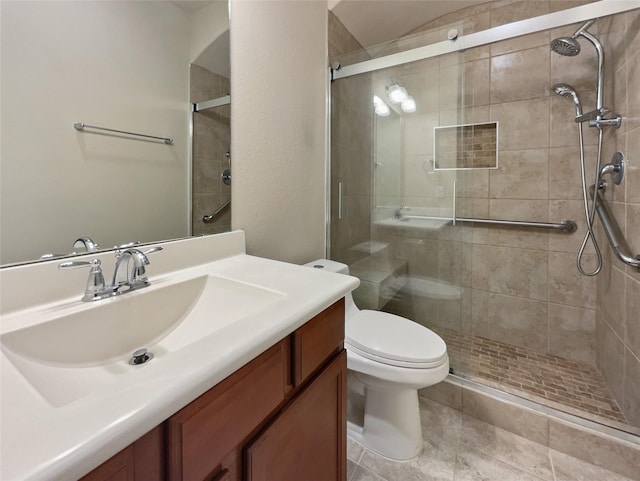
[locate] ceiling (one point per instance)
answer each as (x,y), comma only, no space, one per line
(373,22)
(192,6)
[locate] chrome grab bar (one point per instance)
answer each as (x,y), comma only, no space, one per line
(81,126)
(612,230)
(209,218)
(564,226)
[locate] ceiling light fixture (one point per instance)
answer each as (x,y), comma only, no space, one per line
(408,105)
(397,94)
(380,107)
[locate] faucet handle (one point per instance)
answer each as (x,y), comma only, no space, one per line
(96,288)
(152,250)
(120,250)
(51,255)
(126,245)
(95,263)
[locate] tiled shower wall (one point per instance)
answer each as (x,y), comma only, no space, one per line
(618,300)
(211,139)
(520,286)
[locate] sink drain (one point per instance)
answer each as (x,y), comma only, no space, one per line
(140,356)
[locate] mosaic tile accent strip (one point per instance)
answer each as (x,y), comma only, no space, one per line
(571,386)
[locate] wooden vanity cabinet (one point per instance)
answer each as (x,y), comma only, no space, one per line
(141,461)
(203,433)
(316,341)
(306,440)
(281,417)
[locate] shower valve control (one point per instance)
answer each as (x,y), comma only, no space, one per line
(226,176)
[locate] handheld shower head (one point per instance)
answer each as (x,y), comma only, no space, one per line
(567,90)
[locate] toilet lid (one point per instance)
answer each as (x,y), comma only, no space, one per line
(394,340)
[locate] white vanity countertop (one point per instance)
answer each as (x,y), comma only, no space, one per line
(39,440)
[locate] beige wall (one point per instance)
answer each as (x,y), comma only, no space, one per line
(112,64)
(278,127)
(208,25)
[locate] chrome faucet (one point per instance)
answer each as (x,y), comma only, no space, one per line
(133,278)
(84,243)
(125,279)
(87,244)
(400,213)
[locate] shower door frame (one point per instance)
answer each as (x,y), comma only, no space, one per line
(508,31)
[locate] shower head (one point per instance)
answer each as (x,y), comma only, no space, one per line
(566,46)
(567,90)
(569,46)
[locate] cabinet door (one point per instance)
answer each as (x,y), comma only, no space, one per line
(307,441)
(203,436)
(140,461)
(317,341)
(118,468)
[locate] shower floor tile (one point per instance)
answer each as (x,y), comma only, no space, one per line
(571,386)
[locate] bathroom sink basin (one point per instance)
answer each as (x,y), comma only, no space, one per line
(107,330)
(70,354)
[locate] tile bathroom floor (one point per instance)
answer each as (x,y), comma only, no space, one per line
(461,448)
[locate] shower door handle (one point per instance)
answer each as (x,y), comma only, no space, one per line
(453,214)
(339,200)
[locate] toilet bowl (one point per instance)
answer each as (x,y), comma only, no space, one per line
(388,359)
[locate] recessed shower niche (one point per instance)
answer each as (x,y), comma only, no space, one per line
(468,146)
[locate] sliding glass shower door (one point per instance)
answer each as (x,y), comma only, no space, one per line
(425,153)
(396,185)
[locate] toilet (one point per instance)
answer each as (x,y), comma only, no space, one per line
(388,359)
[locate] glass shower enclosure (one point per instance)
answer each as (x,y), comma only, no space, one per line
(456,199)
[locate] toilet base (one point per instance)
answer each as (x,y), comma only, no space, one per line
(391,426)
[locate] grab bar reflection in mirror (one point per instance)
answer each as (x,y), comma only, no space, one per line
(210,218)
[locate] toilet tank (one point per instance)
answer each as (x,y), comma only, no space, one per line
(339,268)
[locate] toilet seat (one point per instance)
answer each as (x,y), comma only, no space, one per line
(394,340)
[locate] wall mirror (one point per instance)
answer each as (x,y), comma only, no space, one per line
(126,66)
